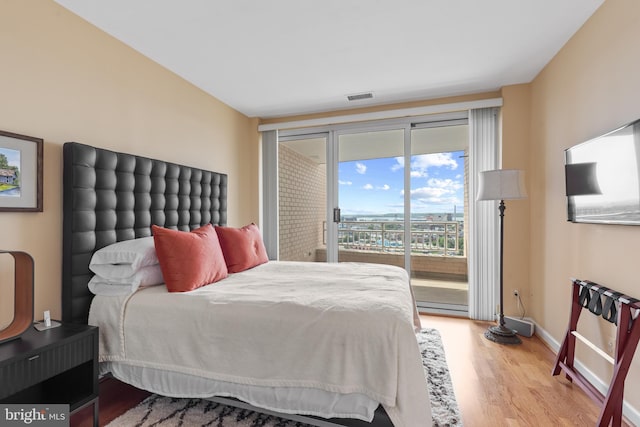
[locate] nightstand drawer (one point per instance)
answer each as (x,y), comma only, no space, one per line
(40,366)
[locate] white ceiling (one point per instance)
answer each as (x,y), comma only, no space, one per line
(286,57)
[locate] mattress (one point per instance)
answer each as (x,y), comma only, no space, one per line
(344,331)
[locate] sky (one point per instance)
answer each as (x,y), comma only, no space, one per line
(13,156)
(369,187)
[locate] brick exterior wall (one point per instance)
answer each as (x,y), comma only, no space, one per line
(302,186)
(422,266)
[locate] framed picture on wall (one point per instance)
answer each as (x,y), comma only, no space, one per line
(20,173)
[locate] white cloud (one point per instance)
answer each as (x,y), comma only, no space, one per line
(438,192)
(368,187)
(399,165)
(344,182)
(384,187)
(361,168)
(422,162)
(448,184)
(432,193)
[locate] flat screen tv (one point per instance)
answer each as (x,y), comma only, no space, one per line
(602,178)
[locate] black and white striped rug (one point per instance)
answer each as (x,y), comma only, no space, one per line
(169,412)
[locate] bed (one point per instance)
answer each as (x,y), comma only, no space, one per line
(289,333)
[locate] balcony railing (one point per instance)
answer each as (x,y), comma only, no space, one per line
(439,238)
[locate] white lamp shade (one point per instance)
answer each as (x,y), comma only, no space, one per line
(501,184)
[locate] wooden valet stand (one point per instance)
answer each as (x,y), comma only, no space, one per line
(619,309)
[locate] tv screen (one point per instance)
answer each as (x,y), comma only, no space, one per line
(602,178)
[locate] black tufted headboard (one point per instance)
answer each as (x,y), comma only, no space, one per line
(109,197)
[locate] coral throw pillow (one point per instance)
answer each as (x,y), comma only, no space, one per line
(189,259)
(243,248)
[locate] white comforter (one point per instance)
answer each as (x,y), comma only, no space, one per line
(346,328)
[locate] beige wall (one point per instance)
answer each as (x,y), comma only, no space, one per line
(64,80)
(589,88)
(515,117)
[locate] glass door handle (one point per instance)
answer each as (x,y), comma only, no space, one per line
(336,215)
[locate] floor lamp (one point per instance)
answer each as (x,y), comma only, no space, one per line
(502,184)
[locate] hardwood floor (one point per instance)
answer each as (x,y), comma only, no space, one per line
(115,399)
(508,385)
(495,385)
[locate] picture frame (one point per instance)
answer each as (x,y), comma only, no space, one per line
(21,159)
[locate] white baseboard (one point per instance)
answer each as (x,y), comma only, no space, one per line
(632,414)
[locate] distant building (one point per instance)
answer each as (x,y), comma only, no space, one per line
(7,176)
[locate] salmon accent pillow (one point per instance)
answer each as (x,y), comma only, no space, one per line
(189,259)
(243,248)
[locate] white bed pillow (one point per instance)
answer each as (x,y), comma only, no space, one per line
(146,276)
(139,252)
(109,290)
(117,271)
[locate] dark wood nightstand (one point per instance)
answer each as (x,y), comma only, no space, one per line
(58,365)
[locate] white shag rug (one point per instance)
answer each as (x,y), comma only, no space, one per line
(170,412)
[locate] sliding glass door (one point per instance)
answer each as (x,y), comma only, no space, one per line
(393,194)
(370,197)
(439,214)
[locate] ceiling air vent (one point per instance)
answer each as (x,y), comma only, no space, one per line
(360,96)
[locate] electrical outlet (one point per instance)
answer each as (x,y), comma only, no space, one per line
(516,293)
(610,348)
